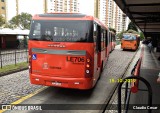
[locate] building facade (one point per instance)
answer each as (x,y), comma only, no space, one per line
(62,6)
(42,6)
(111,15)
(3,8)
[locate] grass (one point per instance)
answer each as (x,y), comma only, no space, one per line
(9,68)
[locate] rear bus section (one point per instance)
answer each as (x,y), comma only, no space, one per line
(129,42)
(61,52)
(61,67)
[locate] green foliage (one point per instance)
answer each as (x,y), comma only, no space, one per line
(120,35)
(2,20)
(12,67)
(22,20)
(141,36)
(132,31)
(112,29)
(8,25)
(132,26)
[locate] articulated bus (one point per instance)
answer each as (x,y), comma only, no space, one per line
(67,50)
(130,41)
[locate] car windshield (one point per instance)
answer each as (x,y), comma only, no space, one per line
(61,30)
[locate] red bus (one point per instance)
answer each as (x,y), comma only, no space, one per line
(67,50)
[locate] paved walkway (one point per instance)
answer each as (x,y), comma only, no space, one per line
(149,70)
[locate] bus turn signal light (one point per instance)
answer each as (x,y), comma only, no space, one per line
(88,60)
(87,65)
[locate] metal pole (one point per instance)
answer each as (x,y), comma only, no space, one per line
(1,58)
(15,58)
(148,87)
(126,91)
(27,55)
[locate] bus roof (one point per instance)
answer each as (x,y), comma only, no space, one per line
(60,16)
(67,16)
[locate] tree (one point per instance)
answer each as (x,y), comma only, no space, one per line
(2,21)
(132,31)
(112,29)
(22,21)
(141,36)
(132,26)
(8,25)
(120,35)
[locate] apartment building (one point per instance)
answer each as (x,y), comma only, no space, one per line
(28,6)
(112,16)
(39,6)
(103,16)
(97,9)
(3,8)
(62,6)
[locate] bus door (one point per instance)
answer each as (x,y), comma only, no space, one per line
(97,55)
(99,45)
(106,44)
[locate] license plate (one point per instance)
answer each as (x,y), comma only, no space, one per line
(57,83)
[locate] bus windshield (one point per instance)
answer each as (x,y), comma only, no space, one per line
(129,37)
(61,30)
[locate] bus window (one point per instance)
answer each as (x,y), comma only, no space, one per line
(102,39)
(95,32)
(99,38)
(106,38)
(61,30)
(37,31)
(129,37)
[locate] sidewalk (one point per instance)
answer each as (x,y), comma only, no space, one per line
(149,70)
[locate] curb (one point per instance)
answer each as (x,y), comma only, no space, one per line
(13,71)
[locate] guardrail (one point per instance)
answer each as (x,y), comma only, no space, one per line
(13,57)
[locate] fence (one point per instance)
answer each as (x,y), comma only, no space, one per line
(9,57)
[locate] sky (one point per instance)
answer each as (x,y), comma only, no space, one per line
(36,7)
(87,6)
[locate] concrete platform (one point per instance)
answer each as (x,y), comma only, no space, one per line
(149,70)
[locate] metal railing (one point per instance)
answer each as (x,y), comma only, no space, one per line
(9,57)
(133,88)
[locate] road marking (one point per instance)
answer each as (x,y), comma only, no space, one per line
(26,97)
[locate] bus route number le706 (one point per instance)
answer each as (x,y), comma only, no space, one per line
(74,59)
